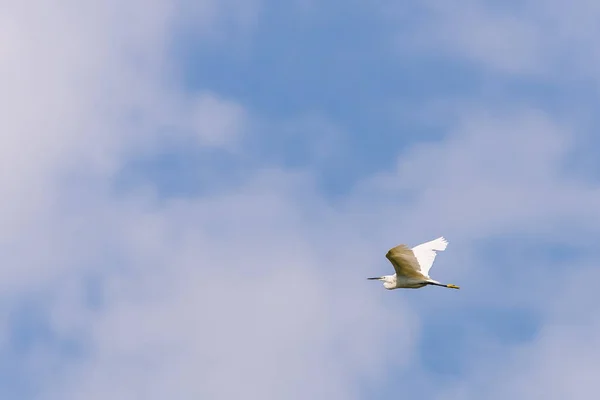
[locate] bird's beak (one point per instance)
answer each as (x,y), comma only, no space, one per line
(374,279)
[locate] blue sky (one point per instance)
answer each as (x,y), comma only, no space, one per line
(194,193)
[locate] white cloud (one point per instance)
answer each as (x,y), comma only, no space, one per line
(503,173)
(217,122)
(230,286)
(260,292)
(542,39)
(205,297)
(563,358)
(478,173)
(507,174)
(83,88)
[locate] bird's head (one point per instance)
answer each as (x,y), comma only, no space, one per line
(386,279)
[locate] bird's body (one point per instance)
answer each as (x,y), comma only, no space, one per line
(412,265)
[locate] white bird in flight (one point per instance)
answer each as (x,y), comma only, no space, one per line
(412,265)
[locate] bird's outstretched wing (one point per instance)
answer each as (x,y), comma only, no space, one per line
(425,253)
(404,261)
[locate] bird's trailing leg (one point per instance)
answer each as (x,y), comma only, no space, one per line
(443,285)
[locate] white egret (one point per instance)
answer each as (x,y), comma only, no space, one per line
(412,265)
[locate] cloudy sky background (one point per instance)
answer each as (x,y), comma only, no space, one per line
(192,193)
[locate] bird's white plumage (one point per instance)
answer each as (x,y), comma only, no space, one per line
(425,253)
(412,265)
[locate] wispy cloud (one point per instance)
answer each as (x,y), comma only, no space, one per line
(160,299)
(538,39)
(257,290)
